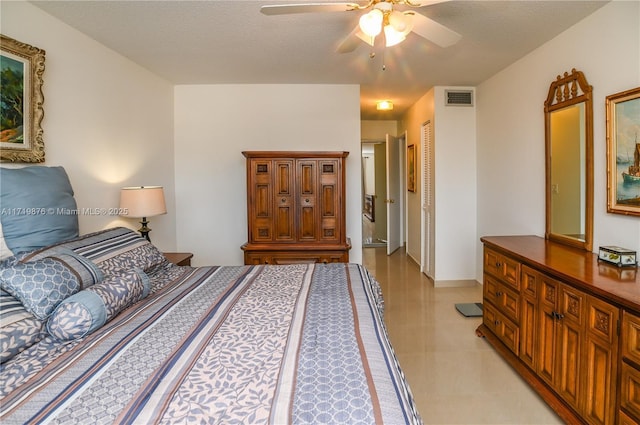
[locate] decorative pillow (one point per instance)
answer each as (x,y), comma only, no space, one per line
(38,208)
(88,310)
(113,250)
(40,285)
(19,329)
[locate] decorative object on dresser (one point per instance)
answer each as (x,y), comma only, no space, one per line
(179,258)
(296,207)
(623,152)
(22,100)
(621,257)
(142,201)
(551,312)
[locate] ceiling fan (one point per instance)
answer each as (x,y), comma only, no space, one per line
(381,18)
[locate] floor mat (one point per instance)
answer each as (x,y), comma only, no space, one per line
(470,309)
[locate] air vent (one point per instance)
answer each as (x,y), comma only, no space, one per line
(458,97)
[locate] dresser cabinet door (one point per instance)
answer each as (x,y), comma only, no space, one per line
(571,317)
(601,363)
(546,355)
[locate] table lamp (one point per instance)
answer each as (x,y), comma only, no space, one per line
(142,201)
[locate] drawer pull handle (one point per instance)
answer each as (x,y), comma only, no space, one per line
(497,322)
(499,293)
(283,200)
(498,264)
(306,200)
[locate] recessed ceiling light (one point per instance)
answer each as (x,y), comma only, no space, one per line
(384,105)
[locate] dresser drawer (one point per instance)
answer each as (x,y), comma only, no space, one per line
(506,300)
(502,267)
(296,257)
(502,327)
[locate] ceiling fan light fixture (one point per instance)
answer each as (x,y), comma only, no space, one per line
(392,37)
(371,22)
(384,105)
(399,21)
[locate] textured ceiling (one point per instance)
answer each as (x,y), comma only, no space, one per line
(212,41)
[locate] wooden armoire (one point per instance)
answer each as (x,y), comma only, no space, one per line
(296,207)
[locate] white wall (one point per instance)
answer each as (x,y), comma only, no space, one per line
(455,188)
(376,130)
(411,122)
(605,46)
(215,123)
(108,121)
(455,191)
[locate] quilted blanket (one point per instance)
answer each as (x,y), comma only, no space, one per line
(302,344)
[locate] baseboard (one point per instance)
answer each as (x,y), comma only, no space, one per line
(455,283)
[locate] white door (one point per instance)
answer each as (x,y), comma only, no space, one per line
(393,194)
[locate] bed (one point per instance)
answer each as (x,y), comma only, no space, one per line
(101,328)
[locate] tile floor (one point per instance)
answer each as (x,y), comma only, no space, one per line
(456,377)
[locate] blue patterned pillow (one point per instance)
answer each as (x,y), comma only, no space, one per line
(112,250)
(40,285)
(19,329)
(88,310)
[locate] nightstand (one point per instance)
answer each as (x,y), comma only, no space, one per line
(179,258)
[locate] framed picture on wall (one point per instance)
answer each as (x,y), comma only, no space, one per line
(21,69)
(411,168)
(623,152)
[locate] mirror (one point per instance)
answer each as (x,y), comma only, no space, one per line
(569,161)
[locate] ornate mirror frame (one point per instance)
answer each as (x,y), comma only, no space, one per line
(566,91)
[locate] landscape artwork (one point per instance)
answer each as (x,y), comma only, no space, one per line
(623,152)
(21,101)
(12,101)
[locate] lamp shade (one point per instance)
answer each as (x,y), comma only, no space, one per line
(142,201)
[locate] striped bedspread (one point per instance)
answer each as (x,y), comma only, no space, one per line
(302,344)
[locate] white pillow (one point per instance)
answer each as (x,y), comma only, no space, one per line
(5,252)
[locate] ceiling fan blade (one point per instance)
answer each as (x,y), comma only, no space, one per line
(433,31)
(352,41)
(425,3)
(284,9)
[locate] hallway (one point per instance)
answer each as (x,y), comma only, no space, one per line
(456,377)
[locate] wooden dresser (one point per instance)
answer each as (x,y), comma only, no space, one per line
(568,324)
(296,207)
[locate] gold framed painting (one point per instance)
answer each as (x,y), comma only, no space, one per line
(623,152)
(411,168)
(21,100)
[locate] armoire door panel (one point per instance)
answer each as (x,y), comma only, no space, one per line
(328,201)
(263,201)
(307,224)
(284,224)
(284,178)
(307,183)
